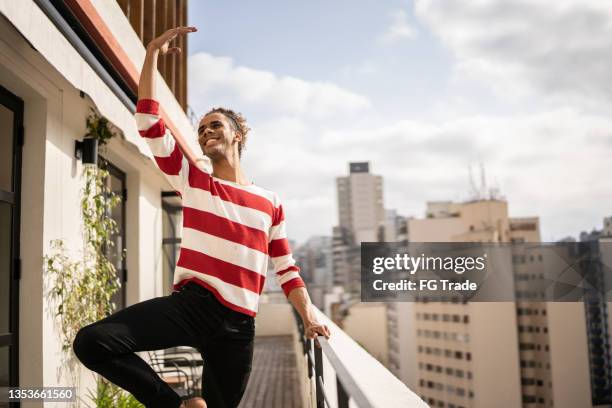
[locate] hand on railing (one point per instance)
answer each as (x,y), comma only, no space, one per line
(314,329)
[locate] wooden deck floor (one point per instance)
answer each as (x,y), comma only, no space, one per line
(274,379)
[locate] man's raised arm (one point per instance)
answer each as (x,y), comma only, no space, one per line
(165,147)
(160,45)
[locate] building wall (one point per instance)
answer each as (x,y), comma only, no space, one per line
(366,323)
(150,19)
(360,205)
(48,78)
(493,341)
(403,358)
(519,352)
(569,357)
(464,354)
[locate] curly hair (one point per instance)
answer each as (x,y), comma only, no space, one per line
(238,123)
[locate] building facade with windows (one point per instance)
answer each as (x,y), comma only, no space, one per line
(58,61)
(478,354)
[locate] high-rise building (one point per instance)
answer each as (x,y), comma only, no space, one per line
(345,260)
(396,227)
(596,258)
(360,203)
(485,354)
(361,218)
(315,260)
(607,227)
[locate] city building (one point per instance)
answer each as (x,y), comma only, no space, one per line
(607,227)
(396,227)
(360,202)
(361,218)
(595,252)
(474,354)
(315,260)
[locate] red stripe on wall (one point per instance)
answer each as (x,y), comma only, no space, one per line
(95,26)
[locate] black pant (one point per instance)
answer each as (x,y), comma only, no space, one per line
(190,317)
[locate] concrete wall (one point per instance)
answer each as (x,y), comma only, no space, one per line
(367,325)
(406,337)
(569,354)
(495,364)
(275,319)
(48,78)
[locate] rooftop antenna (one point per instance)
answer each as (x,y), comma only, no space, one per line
(495,190)
(483,182)
(474,195)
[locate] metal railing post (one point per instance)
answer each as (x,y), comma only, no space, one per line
(309,356)
(318,352)
(343,398)
(346,387)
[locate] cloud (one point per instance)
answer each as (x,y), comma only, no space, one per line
(365,67)
(218,78)
(551,162)
(556,49)
(399,29)
(548,164)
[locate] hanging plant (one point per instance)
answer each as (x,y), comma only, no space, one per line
(82,287)
(99,128)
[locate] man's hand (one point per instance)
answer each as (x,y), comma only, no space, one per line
(314,329)
(159,45)
(162,43)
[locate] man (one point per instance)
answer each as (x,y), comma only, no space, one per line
(230,229)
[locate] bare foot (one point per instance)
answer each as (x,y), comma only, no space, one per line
(195,402)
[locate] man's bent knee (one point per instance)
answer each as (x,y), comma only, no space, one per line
(87,344)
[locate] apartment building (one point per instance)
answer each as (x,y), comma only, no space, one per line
(361,218)
(531,354)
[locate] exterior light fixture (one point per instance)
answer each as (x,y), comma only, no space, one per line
(87,150)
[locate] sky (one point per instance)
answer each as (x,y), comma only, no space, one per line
(423,90)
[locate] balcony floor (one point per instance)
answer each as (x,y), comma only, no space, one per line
(274,379)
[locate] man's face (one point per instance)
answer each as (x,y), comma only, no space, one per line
(216,136)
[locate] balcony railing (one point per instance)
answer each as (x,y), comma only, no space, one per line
(345,389)
(340,373)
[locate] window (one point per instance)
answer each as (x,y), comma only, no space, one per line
(116,184)
(11,127)
(171,227)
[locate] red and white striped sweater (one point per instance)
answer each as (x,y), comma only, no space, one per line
(229,230)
